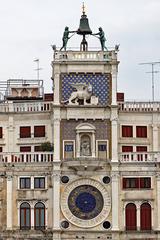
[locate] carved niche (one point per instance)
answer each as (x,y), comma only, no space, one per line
(85,140)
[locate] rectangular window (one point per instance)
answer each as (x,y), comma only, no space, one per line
(25,183)
(141,131)
(141,156)
(127,148)
(137,183)
(39,182)
(37,148)
(1,132)
(39,131)
(141,148)
(127,131)
(130,182)
(120,97)
(68,149)
(101,148)
(145,182)
(25,149)
(25,132)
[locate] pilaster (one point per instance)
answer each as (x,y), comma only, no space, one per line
(114,136)
(56,77)
(32,217)
(155,138)
(9,201)
(77,145)
(56,198)
(158,202)
(10,133)
(56,123)
(138,216)
(114,84)
(93,145)
(115,201)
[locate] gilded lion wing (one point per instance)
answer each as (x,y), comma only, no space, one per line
(79,86)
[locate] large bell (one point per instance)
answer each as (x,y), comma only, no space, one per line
(84,28)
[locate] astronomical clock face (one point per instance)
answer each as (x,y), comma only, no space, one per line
(85,203)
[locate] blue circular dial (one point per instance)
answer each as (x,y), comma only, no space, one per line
(85,202)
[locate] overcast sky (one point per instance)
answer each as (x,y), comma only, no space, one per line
(29,27)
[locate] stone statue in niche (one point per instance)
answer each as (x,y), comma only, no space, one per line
(85,148)
(83,92)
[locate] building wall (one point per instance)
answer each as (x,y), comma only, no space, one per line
(69,178)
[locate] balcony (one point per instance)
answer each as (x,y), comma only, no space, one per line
(79,163)
(25,107)
(83,165)
(27,157)
(139,107)
(136,157)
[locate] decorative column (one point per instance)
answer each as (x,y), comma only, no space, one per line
(158,202)
(77,144)
(32,215)
(114,140)
(138,215)
(93,145)
(56,175)
(56,123)
(56,83)
(9,201)
(114,133)
(155,141)
(115,201)
(11,147)
(114,84)
(56,198)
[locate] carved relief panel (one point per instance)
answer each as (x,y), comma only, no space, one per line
(86,88)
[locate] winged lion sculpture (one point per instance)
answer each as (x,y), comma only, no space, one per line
(83,92)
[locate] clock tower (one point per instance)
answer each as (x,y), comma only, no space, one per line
(85,169)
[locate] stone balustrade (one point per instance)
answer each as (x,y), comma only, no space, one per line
(132,157)
(28,157)
(85,56)
(25,107)
(139,106)
(40,157)
(4,107)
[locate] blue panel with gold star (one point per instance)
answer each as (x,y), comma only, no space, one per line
(100,83)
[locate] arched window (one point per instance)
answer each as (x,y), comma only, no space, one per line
(39,216)
(145,213)
(131,217)
(25,216)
